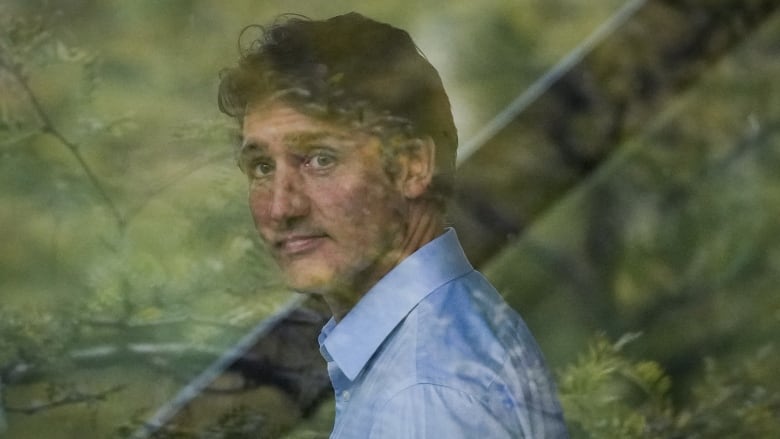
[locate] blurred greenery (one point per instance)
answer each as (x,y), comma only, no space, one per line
(130,263)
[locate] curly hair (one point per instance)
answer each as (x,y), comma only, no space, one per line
(352,70)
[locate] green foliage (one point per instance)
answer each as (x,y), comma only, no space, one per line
(35,339)
(605,394)
(129,261)
(113,270)
(734,401)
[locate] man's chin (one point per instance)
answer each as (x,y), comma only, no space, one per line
(308,282)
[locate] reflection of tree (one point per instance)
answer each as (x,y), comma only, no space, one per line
(674,236)
(112,311)
(72,397)
(12,65)
(595,106)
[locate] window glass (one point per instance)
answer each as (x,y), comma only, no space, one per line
(131,274)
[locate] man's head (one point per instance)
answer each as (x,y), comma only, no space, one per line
(353,70)
(349,145)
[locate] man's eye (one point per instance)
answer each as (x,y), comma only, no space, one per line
(261,169)
(320,161)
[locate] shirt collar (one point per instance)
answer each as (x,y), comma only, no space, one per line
(353,341)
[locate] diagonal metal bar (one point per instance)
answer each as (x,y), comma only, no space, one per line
(195,387)
(562,136)
(544,83)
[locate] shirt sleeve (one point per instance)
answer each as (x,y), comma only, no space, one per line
(434,411)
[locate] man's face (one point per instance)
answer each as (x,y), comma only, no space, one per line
(321,200)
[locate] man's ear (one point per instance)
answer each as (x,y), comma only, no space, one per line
(417,164)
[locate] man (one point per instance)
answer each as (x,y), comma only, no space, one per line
(349,146)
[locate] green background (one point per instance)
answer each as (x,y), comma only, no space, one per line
(128,260)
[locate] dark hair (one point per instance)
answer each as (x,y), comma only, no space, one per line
(351,69)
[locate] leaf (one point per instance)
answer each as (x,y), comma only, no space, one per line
(69,54)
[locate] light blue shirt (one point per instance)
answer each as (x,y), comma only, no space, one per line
(433,351)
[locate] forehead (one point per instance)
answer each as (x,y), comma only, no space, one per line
(279,129)
(281,119)
(278,121)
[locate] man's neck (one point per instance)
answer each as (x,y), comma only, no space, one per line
(425,224)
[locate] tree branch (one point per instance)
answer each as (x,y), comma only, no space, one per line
(48,127)
(144,350)
(73,397)
(170,321)
(175,179)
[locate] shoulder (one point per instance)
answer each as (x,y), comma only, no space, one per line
(464,328)
(455,337)
(470,342)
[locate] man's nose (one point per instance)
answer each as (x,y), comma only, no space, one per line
(288,198)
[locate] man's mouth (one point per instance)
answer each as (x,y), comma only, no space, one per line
(298,243)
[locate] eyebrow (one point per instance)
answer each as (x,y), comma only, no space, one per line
(305,137)
(297,139)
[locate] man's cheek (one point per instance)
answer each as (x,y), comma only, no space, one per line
(259,211)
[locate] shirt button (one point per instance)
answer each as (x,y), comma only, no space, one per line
(345,395)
